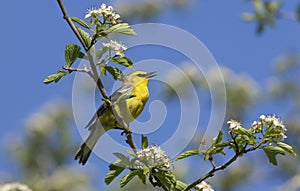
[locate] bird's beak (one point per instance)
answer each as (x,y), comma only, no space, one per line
(150,75)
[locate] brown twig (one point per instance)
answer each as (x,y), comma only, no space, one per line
(86,48)
(212,172)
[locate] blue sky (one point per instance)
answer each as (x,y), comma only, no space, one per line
(33,37)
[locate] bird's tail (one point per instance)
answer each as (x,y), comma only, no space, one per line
(86,148)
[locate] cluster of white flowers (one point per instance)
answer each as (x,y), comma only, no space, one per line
(204,186)
(233,124)
(151,157)
(256,127)
(105,12)
(14,186)
(115,46)
(274,121)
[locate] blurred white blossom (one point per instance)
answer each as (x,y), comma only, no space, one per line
(14,186)
(204,186)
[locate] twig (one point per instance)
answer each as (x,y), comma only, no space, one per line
(94,74)
(212,172)
(86,48)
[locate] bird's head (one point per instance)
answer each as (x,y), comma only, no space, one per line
(138,77)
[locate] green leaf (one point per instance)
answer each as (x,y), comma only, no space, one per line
(188,154)
(115,72)
(130,153)
(123,28)
(111,175)
(115,168)
(80,22)
(287,148)
(271,152)
(81,55)
(142,176)
(179,186)
(144,142)
(128,177)
(55,77)
(71,53)
(124,160)
(249,17)
(246,134)
(218,138)
(124,61)
(272,7)
(260,28)
(85,36)
(166,178)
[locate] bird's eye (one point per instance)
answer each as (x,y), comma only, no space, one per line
(142,75)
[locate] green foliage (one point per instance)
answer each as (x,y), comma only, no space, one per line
(189,153)
(81,22)
(114,72)
(144,142)
(85,36)
(122,28)
(72,52)
(272,152)
(124,61)
(265,14)
(55,77)
(116,169)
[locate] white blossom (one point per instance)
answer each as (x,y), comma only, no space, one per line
(233,124)
(151,157)
(92,12)
(204,186)
(256,127)
(117,47)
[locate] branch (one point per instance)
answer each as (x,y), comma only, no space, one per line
(212,172)
(86,48)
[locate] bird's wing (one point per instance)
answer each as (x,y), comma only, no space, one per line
(95,116)
(125,89)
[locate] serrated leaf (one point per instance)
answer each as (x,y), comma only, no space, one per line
(111,175)
(271,152)
(124,61)
(115,72)
(144,142)
(287,148)
(85,36)
(55,77)
(125,160)
(80,22)
(123,28)
(218,138)
(188,154)
(71,53)
(128,177)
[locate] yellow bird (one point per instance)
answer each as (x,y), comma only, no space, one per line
(135,88)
